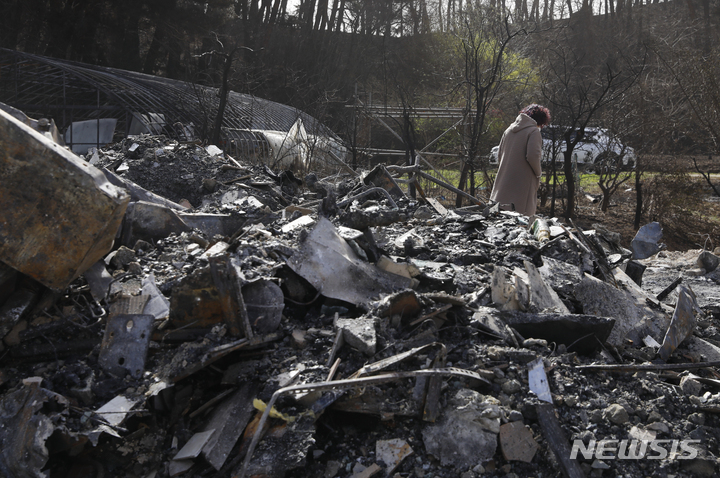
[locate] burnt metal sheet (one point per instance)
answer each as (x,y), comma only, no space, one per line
(59,215)
(228,420)
(125,345)
(330,265)
(682,323)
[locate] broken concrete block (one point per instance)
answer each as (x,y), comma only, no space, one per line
(560,276)
(327,261)
(580,333)
(359,333)
(682,322)
(542,297)
(217,249)
(524,290)
(702,466)
(59,215)
(641,434)
(332,468)
(517,442)
(645,243)
(708,261)
(627,304)
(122,257)
(392,453)
(690,386)
(616,414)
(466,433)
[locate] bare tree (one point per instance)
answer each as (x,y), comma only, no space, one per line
(584,72)
(484,41)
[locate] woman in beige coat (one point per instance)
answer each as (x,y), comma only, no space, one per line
(519,154)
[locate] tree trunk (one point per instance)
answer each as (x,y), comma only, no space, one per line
(535,10)
(227,67)
(334,12)
(462,182)
(274,12)
(131,40)
(153,54)
(10,24)
(415,18)
(570,184)
(638,199)
(425,23)
(321,18)
(341,13)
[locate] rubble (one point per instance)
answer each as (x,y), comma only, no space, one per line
(271,328)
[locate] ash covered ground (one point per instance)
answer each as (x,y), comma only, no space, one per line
(336,290)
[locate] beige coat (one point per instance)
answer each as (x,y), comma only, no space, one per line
(519,172)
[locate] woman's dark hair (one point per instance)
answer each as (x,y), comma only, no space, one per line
(539,113)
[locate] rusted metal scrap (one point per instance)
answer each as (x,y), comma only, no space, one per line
(59,215)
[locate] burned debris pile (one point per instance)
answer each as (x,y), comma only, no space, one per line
(230,320)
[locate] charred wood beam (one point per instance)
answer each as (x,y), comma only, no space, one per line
(557,440)
(662,295)
(646,367)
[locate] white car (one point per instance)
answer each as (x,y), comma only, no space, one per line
(598,147)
